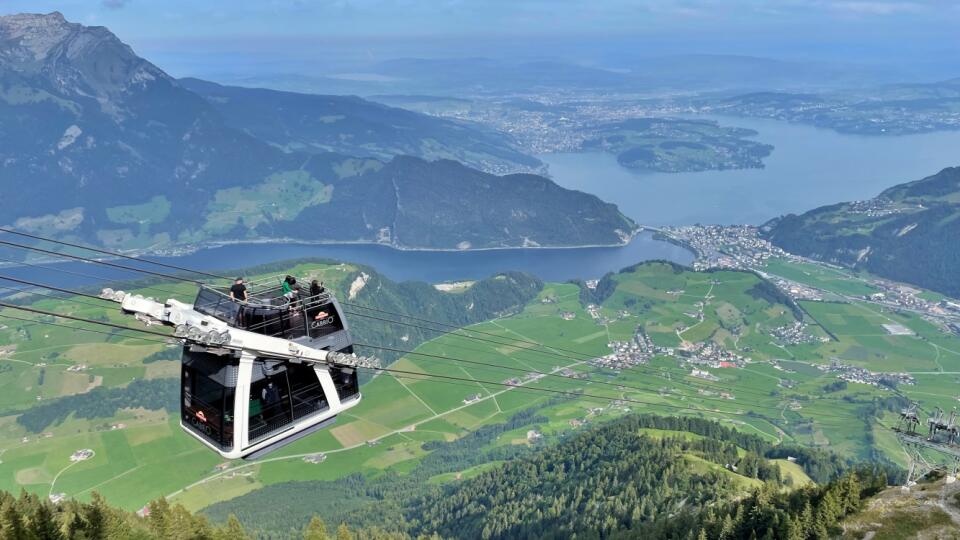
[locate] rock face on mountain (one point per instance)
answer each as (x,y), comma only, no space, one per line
(908,233)
(99,144)
(87,125)
(72,59)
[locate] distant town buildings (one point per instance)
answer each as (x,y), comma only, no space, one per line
(719,246)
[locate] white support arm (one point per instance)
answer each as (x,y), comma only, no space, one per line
(205,330)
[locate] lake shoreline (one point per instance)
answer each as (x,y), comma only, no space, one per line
(190,249)
(548,263)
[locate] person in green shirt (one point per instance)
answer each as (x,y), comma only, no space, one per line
(290,289)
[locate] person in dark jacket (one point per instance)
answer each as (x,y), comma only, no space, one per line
(238,291)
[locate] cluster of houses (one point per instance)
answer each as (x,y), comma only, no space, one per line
(796,334)
(861,375)
(626,354)
(711,355)
(877,207)
(717,246)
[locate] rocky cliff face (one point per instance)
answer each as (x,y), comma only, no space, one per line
(73,60)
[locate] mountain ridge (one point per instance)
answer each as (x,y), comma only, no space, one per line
(123,155)
(358,127)
(886,235)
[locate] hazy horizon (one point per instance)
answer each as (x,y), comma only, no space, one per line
(912,40)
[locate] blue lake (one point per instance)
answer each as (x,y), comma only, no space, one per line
(431,266)
(808,168)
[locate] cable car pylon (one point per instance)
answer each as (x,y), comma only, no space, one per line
(937,451)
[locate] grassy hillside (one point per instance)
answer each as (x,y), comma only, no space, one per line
(65,389)
(931,509)
(916,221)
(769,388)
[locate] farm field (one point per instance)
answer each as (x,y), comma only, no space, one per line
(776,390)
(840,281)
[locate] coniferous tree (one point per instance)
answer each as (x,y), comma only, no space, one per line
(235,530)
(315,530)
(11,523)
(43,523)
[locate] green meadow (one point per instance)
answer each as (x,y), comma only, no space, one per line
(140,454)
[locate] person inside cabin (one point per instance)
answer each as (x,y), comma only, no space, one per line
(271,398)
(238,291)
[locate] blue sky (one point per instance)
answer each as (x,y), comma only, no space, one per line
(185,35)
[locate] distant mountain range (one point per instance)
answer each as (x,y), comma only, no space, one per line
(99,144)
(908,233)
(486,76)
(355,126)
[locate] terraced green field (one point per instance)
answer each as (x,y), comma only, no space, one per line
(148,456)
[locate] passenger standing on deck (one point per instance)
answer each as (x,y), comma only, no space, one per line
(238,291)
(316,289)
(287,287)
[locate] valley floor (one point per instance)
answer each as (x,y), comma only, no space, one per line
(658,338)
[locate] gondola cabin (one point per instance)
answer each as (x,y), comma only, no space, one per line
(240,400)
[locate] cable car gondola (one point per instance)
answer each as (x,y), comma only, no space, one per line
(260,373)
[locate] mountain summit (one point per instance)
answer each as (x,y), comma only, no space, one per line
(72,59)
